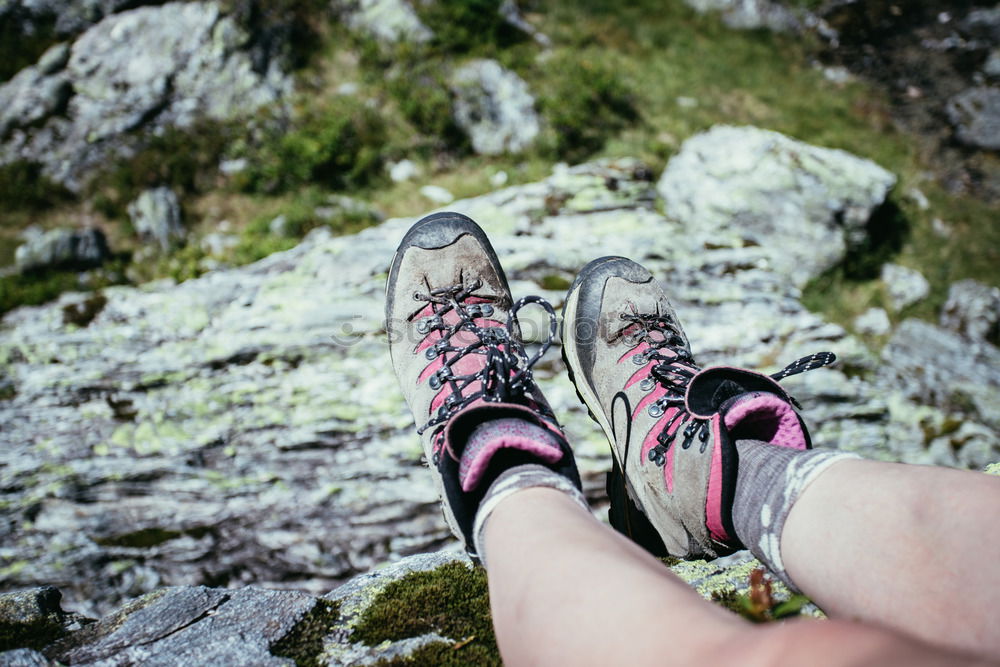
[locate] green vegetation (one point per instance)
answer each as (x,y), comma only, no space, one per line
(620,79)
(452,601)
(334,145)
(462,26)
(586,104)
(19,50)
(304,643)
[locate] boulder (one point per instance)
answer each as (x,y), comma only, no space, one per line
(751,14)
(494,107)
(905,286)
(874,322)
(973,309)
(794,208)
(196,62)
(35,93)
(386,21)
(975,115)
(63,248)
(156,217)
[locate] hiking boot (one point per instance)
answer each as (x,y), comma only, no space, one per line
(457,352)
(672,425)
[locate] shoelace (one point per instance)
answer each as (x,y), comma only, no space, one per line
(675,372)
(505,375)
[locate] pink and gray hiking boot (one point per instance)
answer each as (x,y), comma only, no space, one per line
(457,352)
(672,425)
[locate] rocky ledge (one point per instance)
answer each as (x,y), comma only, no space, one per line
(246,428)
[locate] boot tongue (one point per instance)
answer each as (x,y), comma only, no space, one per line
(726,391)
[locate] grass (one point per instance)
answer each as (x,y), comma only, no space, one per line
(622,79)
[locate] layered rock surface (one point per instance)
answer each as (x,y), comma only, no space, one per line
(246,427)
(100,98)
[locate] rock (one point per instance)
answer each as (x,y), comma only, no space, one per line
(494,107)
(795,208)
(511,13)
(973,309)
(156,217)
(245,427)
(874,322)
(35,93)
(69,17)
(196,63)
(906,286)
(32,619)
(404,170)
(982,24)
(64,248)
(352,208)
(933,366)
(975,114)
(991,67)
(387,21)
(437,194)
(750,14)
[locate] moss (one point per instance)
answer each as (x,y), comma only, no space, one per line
(147,537)
(83,313)
(446,655)
(304,642)
(34,635)
(554,281)
(452,601)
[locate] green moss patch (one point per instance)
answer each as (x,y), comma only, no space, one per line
(304,643)
(452,601)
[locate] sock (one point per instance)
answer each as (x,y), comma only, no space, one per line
(532,443)
(769,481)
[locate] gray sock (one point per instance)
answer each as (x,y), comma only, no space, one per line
(511,481)
(769,481)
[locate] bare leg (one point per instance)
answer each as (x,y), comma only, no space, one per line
(913,548)
(565,589)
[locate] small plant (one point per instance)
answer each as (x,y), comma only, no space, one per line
(24,187)
(758,604)
(585,104)
(461,26)
(420,90)
(337,145)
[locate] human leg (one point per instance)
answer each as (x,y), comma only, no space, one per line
(716,458)
(566,589)
(910,547)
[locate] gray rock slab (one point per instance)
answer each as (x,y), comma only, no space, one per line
(246,427)
(973,309)
(975,115)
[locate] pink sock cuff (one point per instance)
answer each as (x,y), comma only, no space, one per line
(509,433)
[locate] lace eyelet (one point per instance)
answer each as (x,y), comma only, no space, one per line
(435,382)
(431,353)
(655,410)
(640,360)
(487,309)
(647,384)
